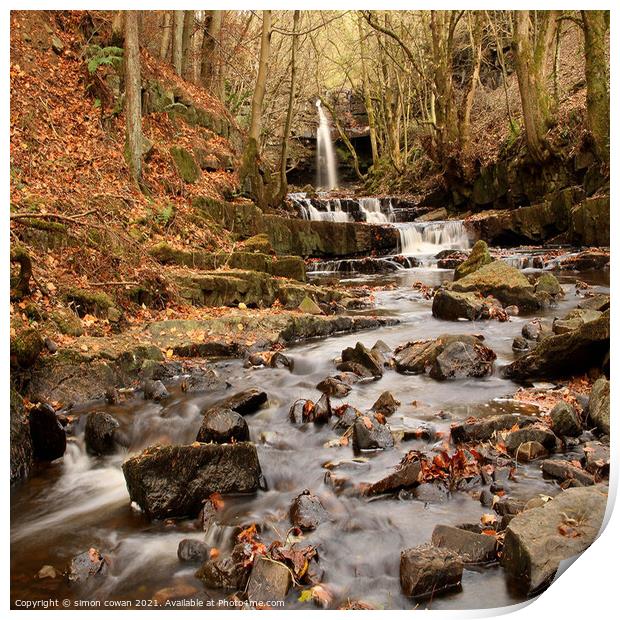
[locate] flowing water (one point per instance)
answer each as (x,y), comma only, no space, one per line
(79,502)
(326,157)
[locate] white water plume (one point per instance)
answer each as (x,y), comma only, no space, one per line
(326,157)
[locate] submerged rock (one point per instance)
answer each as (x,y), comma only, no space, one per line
(49,439)
(307,511)
(245,402)
(223,426)
(192,550)
(99,433)
(173,481)
(471,547)
(86,566)
(427,571)
(538,539)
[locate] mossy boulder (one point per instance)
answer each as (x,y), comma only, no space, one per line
(503,282)
(258,243)
(590,222)
(548,283)
(478,257)
(309,306)
(67,322)
(26,346)
(185,165)
(86,302)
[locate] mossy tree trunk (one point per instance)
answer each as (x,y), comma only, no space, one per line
(133,96)
(533,45)
(595,27)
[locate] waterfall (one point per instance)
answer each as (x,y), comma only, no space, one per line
(326,158)
(432,237)
(371,208)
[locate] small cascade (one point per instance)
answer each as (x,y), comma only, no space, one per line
(371,208)
(326,157)
(429,238)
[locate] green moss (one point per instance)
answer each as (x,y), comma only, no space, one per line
(185,165)
(89,302)
(258,243)
(479,257)
(26,346)
(67,323)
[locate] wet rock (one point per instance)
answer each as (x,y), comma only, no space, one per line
(549,284)
(575,319)
(520,344)
(478,257)
(536,329)
(49,439)
(505,283)
(269,581)
(597,458)
(296,413)
(176,592)
(565,420)
(370,434)
(155,390)
(333,387)
(416,357)
(472,548)
(363,356)
(509,506)
(322,410)
(530,451)
(462,359)
(537,540)
(530,433)
(47,572)
(225,572)
(512,310)
(452,306)
(173,481)
(406,475)
(346,416)
(483,429)
(20,440)
(598,409)
(428,571)
(386,404)
(486,498)
(590,259)
(223,426)
(309,306)
(86,566)
(307,512)
(563,471)
(192,550)
(564,354)
(431,493)
(99,433)
(596,302)
(245,402)
(450,259)
(356,369)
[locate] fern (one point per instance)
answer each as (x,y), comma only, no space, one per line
(98,56)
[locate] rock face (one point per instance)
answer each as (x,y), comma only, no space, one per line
(223,426)
(503,282)
(99,433)
(564,354)
(307,512)
(173,481)
(478,257)
(427,570)
(599,405)
(538,539)
(49,440)
(471,547)
(21,442)
(269,581)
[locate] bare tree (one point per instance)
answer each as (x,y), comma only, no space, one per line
(177,42)
(165,35)
(133,96)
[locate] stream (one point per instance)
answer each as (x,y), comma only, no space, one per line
(80,502)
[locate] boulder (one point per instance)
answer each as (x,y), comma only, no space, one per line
(452,306)
(575,319)
(406,475)
(245,402)
(370,434)
(226,572)
(536,329)
(505,283)
(193,550)
(564,354)
(427,571)
(99,433)
(269,581)
(307,512)
(173,481)
(20,440)
(548,283)
(87,565)
(357,369)
(386,404)
(155,390)
(530,451)
(463,359)
(482,429)
(596,458)
(334,387)
(538,539)
(223,426)
(565,420)
(564,470)
(49,439)
(309,306)
(598,409)
(478,257)
(598,302)
(530,433)
(471,547)
(520,344)
(364,357)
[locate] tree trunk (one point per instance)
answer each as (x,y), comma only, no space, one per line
(177,42)
(367,99)
(133,96)
(165,35)
(188,31)
(595,26)
(250,170)
(531,59)
(118,28)
(209,72)
(289,112)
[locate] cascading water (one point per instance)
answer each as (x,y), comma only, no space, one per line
(371,208)
(429,238)
(326,158)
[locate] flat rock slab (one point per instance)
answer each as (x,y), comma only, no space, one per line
(173,481)
(563,470)
(245,402)
(405,476)
(538,539)
(427,571)
(483,428)
(471,547)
